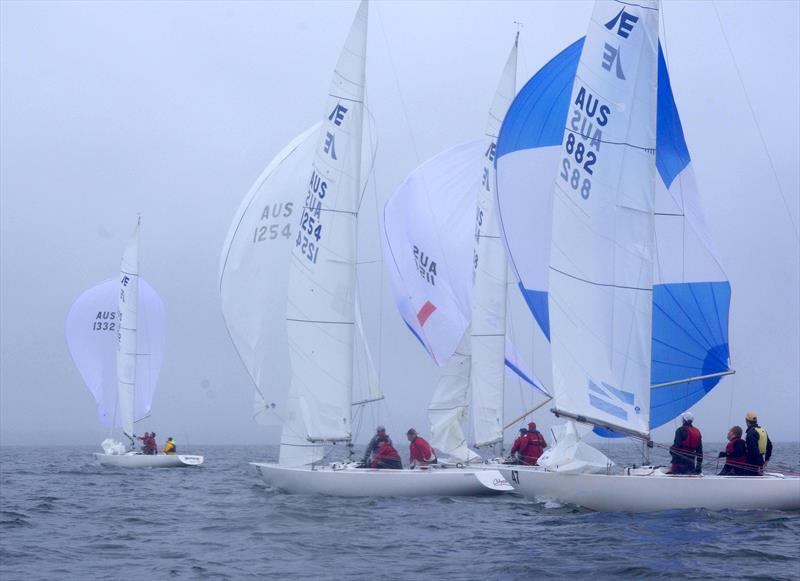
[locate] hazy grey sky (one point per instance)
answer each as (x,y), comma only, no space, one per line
(172,109)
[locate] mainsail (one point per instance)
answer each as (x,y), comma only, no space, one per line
(488,321)
(128,301)
(320,312)
(690,292)
(92,329)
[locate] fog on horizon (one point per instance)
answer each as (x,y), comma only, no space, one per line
(172,110)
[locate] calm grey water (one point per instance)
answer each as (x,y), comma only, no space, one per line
(64,517)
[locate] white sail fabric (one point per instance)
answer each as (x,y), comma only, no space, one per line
(91,332)
(570,455)
(488,320)
(366,378)
(128,300)
(449,407)
(320,312)
(427,225)
(254,273)
(601,257)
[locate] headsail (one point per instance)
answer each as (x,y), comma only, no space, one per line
(690,292)
(320,312)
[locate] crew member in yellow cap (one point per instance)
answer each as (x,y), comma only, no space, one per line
(759,446)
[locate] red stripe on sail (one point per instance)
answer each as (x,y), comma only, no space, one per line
(425,312)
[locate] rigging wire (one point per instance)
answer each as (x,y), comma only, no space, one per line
(755,122)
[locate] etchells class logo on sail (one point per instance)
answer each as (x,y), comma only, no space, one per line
(611,400)
(622,24)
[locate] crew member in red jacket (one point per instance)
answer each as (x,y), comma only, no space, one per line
(536,445)
(735,454)
(386,456)
(687,449)
(420,452)
(519,447)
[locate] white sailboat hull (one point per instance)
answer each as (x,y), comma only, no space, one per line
(348,481)
(649,490)
(134,460)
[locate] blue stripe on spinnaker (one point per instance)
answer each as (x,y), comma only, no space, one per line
(690,338)
(672,155)
(538,114)
(525,377)
(537,303)
(424,346)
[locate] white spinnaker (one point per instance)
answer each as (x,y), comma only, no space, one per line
(320,312)
(254,273)
(91,330)
(601,257)
(428,247)
(488,326)
(126,335)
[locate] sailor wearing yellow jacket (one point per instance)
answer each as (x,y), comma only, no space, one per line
(169,447)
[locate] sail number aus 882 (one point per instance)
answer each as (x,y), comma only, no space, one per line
(573,178)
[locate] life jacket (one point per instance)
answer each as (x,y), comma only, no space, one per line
(741,458)
(691,443)
(520,445)
(536,445)
(762,439)
(169,447)
(421,451)
(385,452)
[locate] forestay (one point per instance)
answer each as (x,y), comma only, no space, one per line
(91,331)
(320,312)
(601,254)
(691,295)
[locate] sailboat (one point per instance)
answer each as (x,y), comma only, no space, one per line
(448,270)
(319,179)
(592,158)
(115,334)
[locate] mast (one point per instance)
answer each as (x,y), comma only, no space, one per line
(490,272)
(126,336)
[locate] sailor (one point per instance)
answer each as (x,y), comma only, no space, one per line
(372,447)
(386,456)
(759,446)
(687,450)
(735,454)
(420,451)
(519,447)
(150,446)
(169,447)
(536,445)
(145,442)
